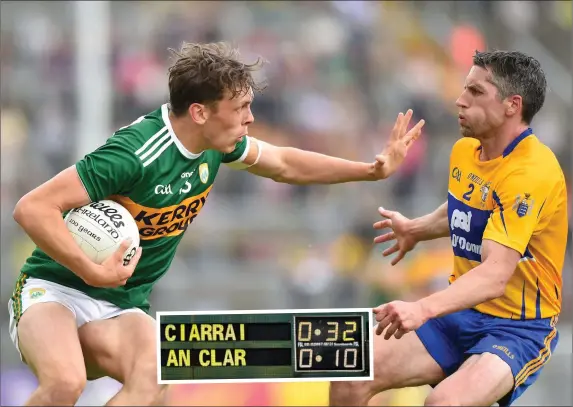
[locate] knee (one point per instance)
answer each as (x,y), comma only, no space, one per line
(350,393)
(64,390)
(437,398)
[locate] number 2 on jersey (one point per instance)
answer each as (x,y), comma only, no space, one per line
(467,196)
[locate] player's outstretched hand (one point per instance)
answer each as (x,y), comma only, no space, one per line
(388,161)
(399,317)
(400,232)
(113,272)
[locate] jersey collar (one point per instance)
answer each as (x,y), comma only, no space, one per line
(516,141)
(186,153)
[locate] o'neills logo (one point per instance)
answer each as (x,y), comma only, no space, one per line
(154,223)
(104,215)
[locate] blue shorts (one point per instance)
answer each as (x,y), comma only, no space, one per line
(525,345)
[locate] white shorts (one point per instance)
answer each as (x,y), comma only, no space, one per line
(84,308)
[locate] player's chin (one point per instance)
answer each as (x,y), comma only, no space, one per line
(226,147)
(466,132)
(230,148)
(233,144)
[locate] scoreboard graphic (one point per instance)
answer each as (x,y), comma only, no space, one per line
(265,346)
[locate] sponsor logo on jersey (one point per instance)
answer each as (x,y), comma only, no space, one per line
(36,293)
(467,226)
(523,205)
(461,243)
(456,174)
(186,188)
(170,221)
(163,189)
(204,173)
(461,220)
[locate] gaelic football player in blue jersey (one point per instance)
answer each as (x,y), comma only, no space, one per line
(486,337)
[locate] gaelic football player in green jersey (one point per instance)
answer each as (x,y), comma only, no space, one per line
(91,320)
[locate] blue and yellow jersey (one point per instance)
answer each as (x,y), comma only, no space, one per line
(520,201)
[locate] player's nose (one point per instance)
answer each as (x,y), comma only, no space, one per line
(460,102)
(250,118)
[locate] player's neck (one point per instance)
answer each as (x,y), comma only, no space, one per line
(188,134)
(495,144)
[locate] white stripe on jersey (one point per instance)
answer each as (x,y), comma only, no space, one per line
(161,139)
(161,150)
(154,147)
(151,140)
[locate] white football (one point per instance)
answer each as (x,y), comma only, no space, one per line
(100,227)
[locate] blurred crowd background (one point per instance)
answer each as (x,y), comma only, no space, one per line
(339,73)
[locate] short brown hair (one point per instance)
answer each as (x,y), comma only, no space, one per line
(202,73)
(515,73)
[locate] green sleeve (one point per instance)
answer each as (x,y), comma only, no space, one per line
(239,153)
(112,169)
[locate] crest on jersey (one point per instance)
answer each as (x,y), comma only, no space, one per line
(36,293)
(484,191)
(523,204)
(204,173)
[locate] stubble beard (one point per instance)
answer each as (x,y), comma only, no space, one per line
(467,132)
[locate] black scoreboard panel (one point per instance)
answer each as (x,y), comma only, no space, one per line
(285,345)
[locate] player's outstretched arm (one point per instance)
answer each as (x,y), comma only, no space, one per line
(39,213)
(408,232)
(483,283)
(295,166)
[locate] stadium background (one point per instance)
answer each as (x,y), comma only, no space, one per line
(73,72)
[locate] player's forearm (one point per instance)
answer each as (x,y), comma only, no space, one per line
(473,288)
(306,167)
(431,226)
(45,226)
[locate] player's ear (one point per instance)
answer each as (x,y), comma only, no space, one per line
(198,113)
(513,105)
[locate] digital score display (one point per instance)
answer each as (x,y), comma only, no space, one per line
(329,344)
(276,345)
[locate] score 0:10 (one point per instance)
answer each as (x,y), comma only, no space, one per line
(349,362)
(306,337)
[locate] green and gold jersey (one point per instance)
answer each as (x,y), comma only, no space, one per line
(145,168)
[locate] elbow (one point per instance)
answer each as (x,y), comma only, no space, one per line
(21,210)
(499,276)
(498,287)
(285,176)
(285,169)
(498,290)
(27,208)
(281,178)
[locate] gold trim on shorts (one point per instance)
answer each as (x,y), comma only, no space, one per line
(17,297)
